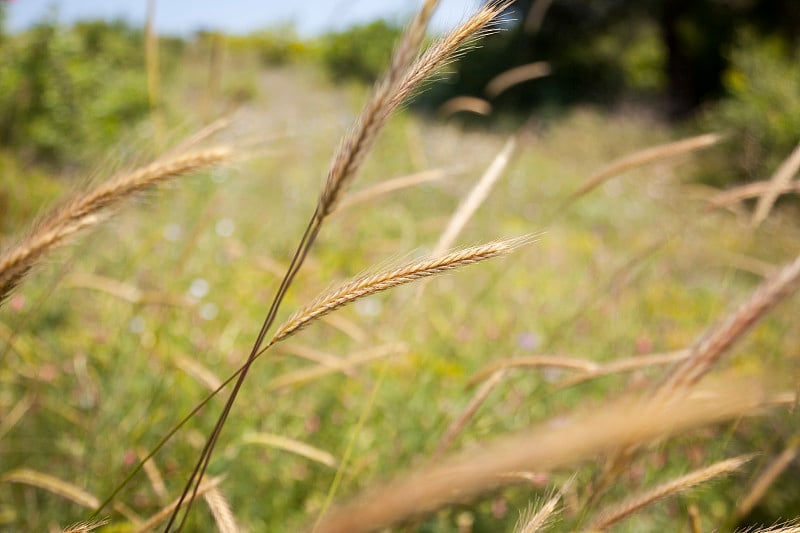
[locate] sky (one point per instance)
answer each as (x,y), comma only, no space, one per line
(182,17)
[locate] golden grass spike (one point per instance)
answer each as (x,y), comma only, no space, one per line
(401,80)
(505,80)
(644,157)
(710,348)
(476,197)
(782,177)
(458,425)
(91,208)
(765,479)
(150,524)
(622,423)
(446,48)
(374,283)
(291,445)
(627,507)
(52,484)
(408,49)
(221,511)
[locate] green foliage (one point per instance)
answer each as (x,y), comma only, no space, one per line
(276,46)
(65,93)
(761,111)
(360,53)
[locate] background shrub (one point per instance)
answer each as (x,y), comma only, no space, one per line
(360,53)
(761,110)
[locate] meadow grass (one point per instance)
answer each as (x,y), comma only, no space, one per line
(111,340)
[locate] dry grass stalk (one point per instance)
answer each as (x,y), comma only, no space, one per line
(385,187)
(221,511)
(644,157)
(469,104)
(348,327)
(744,192)
(458,425)
(462,477)
(315,356)
(199,372)
(291,445)
(746,263)
(152,71)
(150,524)
(399,83)
(51,484)
(535,18)
(305,375)
(505,80)
(782,177)
(476,197)
(387,279)
(91,208)
(764,481)
(626,508)
(155,478)
(12,417)
(85,527)
(626,365)
(695,525)
(588,369)
(123,291)
(536,361)
(708,350)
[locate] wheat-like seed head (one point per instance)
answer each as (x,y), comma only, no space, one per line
(624,509)
(93,207)
(710,348)
(401,80)
(374,283)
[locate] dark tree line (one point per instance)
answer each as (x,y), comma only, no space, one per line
(584,39)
